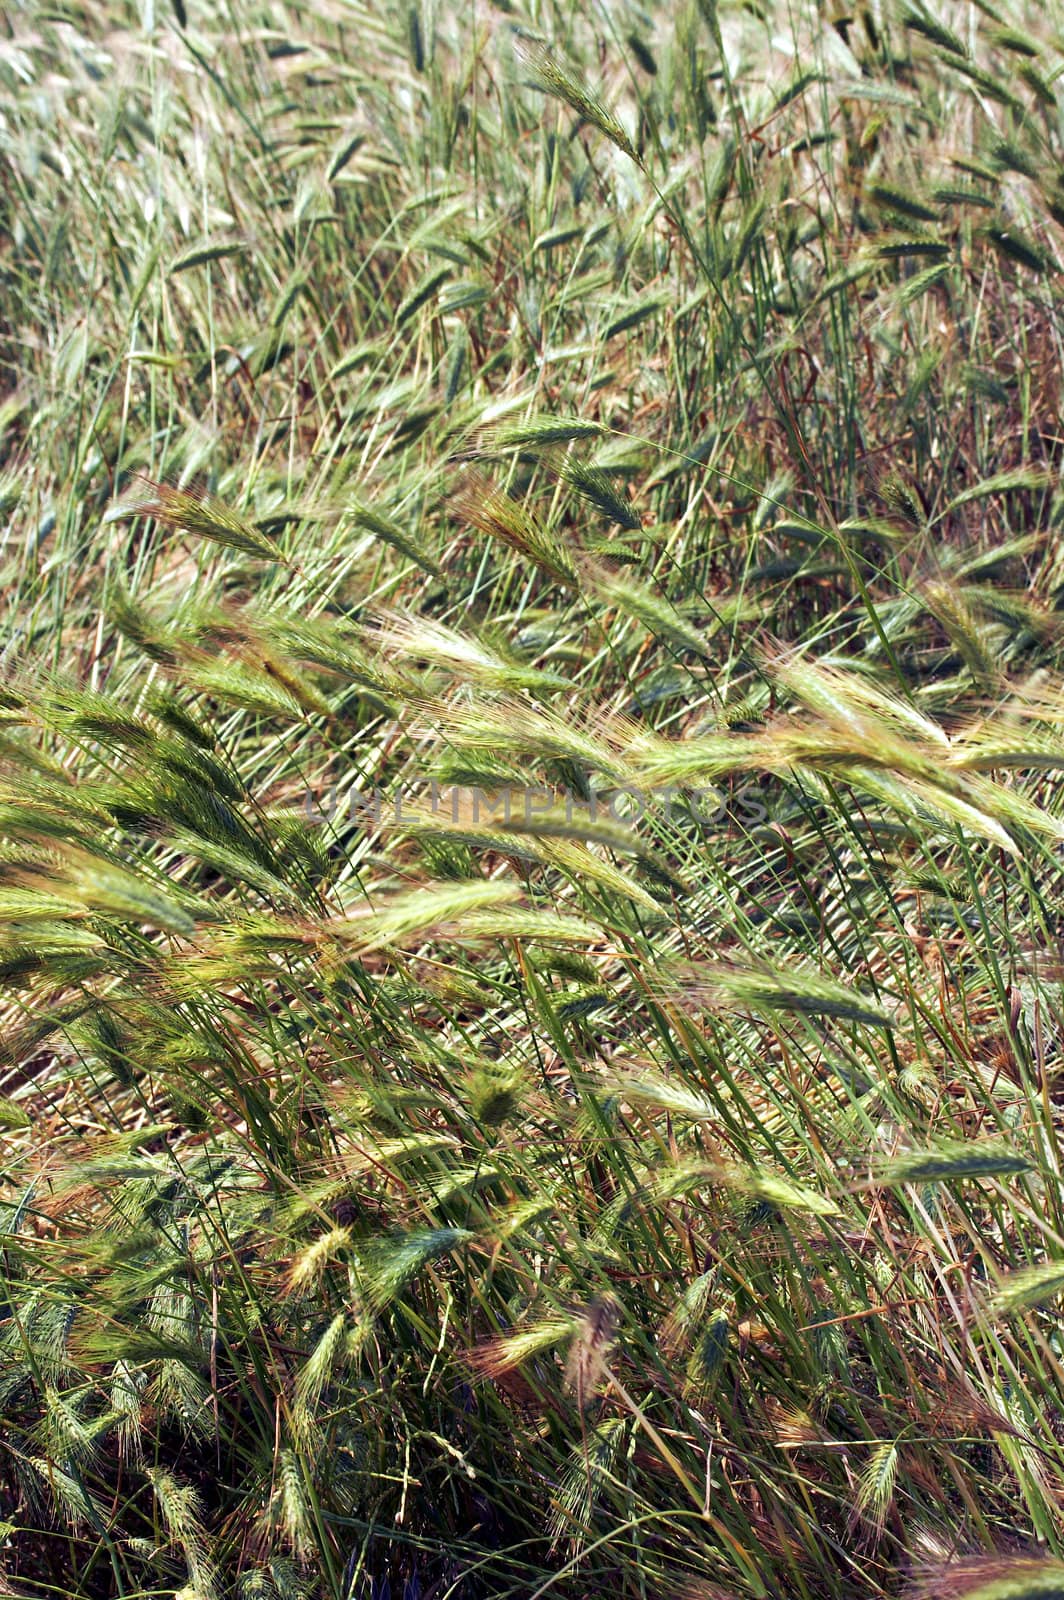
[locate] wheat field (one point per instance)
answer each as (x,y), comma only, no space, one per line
(531,733)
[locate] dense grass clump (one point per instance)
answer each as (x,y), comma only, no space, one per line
(530,801)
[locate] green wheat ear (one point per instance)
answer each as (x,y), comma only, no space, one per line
(1028,1288)
(537,433)
(997,1577)
(596,487)
(952,1161)
(205,517)
(549,75)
